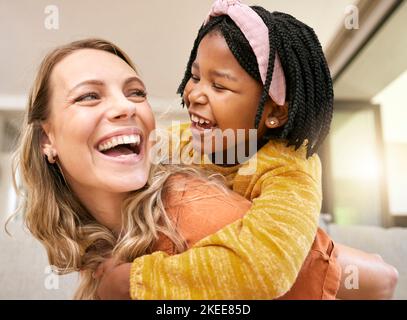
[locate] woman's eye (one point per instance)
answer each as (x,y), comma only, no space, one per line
(138,93)
(88,97)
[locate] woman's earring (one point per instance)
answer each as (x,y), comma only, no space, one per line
(273,122)
(51,155)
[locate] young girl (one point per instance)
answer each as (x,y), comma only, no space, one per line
(250,68)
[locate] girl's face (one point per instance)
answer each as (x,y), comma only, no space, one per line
(220,95)
(100,123)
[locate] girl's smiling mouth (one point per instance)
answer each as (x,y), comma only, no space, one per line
(201,123)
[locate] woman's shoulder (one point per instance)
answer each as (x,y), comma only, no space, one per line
(180,186)
(201,207)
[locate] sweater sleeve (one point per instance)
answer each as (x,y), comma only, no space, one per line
(256,257)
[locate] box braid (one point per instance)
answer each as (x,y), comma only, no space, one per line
(309,84)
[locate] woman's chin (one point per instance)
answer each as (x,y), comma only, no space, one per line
(117,187)
(126,181)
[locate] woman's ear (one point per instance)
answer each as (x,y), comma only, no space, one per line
(47,145)
(277,117)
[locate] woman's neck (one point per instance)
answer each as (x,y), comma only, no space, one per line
(104,206)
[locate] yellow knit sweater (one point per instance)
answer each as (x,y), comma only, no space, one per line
(256,257)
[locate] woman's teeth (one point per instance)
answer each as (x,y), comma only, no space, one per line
(133,139)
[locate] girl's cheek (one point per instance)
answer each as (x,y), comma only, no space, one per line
(187,91)
(185,98)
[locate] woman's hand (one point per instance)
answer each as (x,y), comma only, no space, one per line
(114,280)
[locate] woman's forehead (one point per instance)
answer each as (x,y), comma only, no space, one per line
(86,64)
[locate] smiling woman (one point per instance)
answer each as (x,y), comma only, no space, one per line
(93,111)
(84,160)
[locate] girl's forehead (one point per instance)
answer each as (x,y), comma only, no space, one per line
(215,47)
(214,53)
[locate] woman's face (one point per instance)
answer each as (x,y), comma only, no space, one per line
(100,122)
(221,93)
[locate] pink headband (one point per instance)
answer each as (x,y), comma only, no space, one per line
(256,32)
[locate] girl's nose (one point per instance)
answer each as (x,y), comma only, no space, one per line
(197,96)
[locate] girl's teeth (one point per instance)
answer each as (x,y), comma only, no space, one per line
(198,120)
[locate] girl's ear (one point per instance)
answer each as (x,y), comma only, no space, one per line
(278,116)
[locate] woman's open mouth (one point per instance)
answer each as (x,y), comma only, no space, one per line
(122,148)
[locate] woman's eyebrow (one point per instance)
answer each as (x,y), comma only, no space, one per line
(86,82)
(131,79)
(101,83)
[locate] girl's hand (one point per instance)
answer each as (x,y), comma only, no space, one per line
(114,280)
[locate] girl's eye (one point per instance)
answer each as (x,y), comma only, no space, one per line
(88,97)
(218,87)
(194,78)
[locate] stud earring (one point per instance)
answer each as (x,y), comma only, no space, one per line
(273,122)
(51,155)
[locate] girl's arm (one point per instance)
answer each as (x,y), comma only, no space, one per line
(114,283)
(203,210)
(375,279)
(365,276)
(256,257)
(198,210)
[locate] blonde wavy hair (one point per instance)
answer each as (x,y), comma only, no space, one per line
(73,239)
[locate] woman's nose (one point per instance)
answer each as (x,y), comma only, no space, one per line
(122,108)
